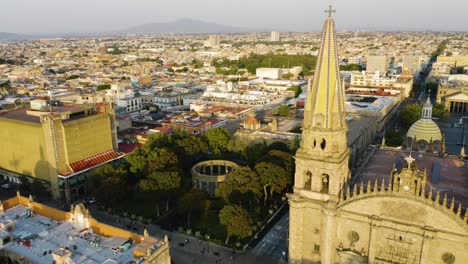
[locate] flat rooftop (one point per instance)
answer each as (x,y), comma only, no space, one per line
(35,237)
(22,113)
(453,173)
(224,109)
(376,106)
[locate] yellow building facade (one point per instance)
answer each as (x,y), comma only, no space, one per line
(459,61)
(59,147)
(453,97)
(336,219)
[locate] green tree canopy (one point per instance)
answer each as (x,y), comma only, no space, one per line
(242,181)
(109,184)
(254,61)
(144,160)
(278,145)
(254,152)
(236,220)
(297,90)
(218,139)
(161,159)
(410,114)
(283,110)
(393,138)
(193,201)
(280,158)
(439,111)
(165,183)
(287,76)
(186,145)
(272,176)
(137,161)
(350,67)
(103,87)
(161,181)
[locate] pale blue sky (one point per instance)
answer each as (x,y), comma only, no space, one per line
(52,16)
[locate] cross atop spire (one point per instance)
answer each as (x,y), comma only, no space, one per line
(330,10)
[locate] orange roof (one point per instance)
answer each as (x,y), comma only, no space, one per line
(251,121)
(93,161)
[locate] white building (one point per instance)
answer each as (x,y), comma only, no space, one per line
(355,60)
(363,81)
(414,63)
(166,97)
(365,78)
(269,73)
(441,68)
(213,41)
(275,36)
(129,104)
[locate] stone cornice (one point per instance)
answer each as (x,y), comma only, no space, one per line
(423,196)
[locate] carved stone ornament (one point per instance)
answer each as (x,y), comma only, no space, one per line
(353,236)
(448,258)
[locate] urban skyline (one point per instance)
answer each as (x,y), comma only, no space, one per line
(53,17)
(182,143)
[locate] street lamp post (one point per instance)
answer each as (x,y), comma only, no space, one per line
(463,132)
(462,141)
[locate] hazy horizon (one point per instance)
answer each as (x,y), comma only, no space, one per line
(86,16)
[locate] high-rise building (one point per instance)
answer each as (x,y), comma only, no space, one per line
(59,145)
(275,36)
(213,41)
(383,214)
(413,63)
(377,64)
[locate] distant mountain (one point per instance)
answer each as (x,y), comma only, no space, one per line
(186,26)
(5,36)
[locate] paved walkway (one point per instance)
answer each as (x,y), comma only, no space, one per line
(195,251)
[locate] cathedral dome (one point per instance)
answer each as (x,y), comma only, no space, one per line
(425,129)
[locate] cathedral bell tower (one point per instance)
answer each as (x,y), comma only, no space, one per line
(321,160)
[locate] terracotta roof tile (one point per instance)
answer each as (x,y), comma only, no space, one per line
(93,161)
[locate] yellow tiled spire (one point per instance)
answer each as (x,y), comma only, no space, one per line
(325,105)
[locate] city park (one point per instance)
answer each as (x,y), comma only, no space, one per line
(154,185)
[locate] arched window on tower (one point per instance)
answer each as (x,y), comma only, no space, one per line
(308,180)
(325,183)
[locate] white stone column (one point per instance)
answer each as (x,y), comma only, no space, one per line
(373,237)
(296,218)
(427,238)
(328,235)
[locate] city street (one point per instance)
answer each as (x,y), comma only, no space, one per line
(274,243)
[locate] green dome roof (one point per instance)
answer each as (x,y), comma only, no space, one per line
(425,129)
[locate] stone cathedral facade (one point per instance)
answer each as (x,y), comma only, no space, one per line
(336,219)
